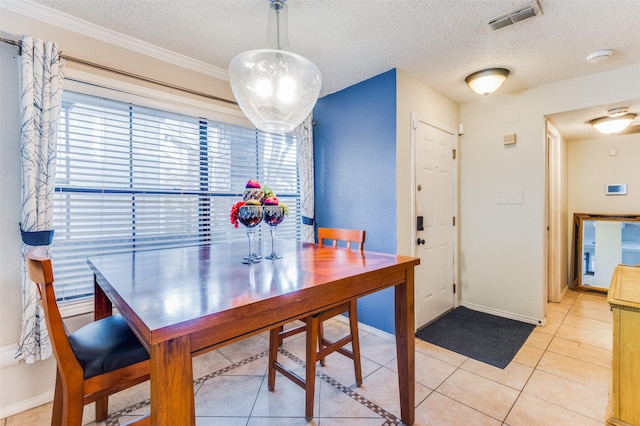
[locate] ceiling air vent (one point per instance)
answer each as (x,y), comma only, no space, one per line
(525,12)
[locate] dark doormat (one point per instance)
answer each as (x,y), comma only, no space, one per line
(488,338)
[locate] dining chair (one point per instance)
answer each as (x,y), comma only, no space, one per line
(313,325)
(97,360)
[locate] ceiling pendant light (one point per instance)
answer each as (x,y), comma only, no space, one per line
(276,89)
(616,121)
(487,81)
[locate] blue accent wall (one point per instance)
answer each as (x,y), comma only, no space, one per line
(355,174)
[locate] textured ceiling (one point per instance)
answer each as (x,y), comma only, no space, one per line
(438,42)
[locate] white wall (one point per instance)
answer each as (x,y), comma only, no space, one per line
(591,167)
(502,255)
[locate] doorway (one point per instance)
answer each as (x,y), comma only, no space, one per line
(434,218)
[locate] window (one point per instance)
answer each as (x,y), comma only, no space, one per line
(130,177)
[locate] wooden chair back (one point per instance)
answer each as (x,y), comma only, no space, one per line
(73,391)
(354,238)
(314,327)
(40,271)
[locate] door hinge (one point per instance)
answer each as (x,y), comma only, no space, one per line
(454,154)
(415,123)
(454,221)
(454,288)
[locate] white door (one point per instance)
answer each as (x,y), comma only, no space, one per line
(434,202)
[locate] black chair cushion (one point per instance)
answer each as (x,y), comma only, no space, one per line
(106,345)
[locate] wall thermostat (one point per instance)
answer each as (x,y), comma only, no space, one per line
(616,189)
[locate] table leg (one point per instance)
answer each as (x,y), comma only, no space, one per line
(172,401)
(405,347)
(102,306)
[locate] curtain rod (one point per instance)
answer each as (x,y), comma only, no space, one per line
(128,74)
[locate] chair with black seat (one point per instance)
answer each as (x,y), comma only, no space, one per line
(99,359)
(313,325)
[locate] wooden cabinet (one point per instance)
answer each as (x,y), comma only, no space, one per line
(624,298)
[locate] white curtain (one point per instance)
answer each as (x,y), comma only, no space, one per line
(305,167)
(41,95)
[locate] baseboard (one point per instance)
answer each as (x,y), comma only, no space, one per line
(564,291)
(369,329)
(7,355)
(504,314)
(25,405)
(8,360)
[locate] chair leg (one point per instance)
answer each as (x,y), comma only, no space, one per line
(102,408)
(355,341)
(58,401)
(321,344)
(310,377)
(73,406)
(274,342)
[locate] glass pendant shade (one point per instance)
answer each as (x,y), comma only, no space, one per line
(487,81)
(613,124)
(276,89)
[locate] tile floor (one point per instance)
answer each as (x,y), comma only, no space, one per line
(559,377)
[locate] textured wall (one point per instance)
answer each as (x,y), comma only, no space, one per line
(355,173)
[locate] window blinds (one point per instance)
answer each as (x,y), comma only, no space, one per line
(131,177)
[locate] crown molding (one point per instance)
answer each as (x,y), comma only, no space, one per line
(72,23)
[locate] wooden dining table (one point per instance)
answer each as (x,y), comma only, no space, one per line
(182,302)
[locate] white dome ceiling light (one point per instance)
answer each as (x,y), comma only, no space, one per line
(487,81)
(616,121)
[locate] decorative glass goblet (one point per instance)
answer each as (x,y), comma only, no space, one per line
(273,216)
(250,216)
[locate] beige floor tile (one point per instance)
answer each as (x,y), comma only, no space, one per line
(351,422)
(227,421)
(334,403)
(341,368)
(592,301)
(582,351)
(513,375)
(528,355)
(440,410)
(554,321)
(538,339)
(568,394)
(442,354)
(243,349)
(257,367)
(484,395)
(598,314)
(577,370)
(277,421)
(529,410)
(381,388)
(39,416)
(604,327)
(570,296)
(430,372)
(377,349)
(589,337)
(562,307)
(232,396)
(287,400)
(209,362)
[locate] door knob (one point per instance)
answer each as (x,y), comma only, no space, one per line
(420,241)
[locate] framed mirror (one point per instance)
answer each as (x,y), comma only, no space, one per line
(601,243)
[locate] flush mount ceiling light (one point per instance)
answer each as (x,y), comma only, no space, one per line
(276,89)
(616,121)
(487,81)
